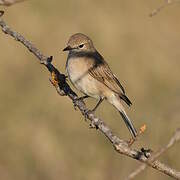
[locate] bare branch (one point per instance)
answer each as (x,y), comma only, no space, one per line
(175,138)
(9,2)
(166,3)
(59,81)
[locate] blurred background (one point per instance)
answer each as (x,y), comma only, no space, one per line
(41,136)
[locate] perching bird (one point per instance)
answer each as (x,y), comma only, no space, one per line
(89,73)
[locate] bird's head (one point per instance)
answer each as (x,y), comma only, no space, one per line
(79,43)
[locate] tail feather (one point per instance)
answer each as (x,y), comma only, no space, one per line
(115,100)
(129,124)
(126,99)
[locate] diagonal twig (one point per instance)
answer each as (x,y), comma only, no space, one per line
(175,138)
(166,3)
(59,81)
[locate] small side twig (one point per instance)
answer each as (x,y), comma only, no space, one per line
(166,3)
(174,139)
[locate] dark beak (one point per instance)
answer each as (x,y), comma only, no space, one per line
(68,48)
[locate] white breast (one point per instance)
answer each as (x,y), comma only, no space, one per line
(77,69)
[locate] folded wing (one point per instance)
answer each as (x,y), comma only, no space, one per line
(103,73)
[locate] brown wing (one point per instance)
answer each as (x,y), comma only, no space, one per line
(103,73)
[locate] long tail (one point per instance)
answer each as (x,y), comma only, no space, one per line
(116,101)
(129,124)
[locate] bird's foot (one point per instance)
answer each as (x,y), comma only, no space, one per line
(78,99)
(86,113)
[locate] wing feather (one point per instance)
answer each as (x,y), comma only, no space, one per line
(102,72)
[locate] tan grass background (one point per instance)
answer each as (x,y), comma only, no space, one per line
(41,136)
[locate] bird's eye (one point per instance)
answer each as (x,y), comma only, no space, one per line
(81,46)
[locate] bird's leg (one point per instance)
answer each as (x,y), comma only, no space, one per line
(83,97)
(92,125)
(79,98)
(98,103)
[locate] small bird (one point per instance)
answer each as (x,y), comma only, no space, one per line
(90,74)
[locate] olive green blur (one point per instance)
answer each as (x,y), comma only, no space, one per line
(41,136)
